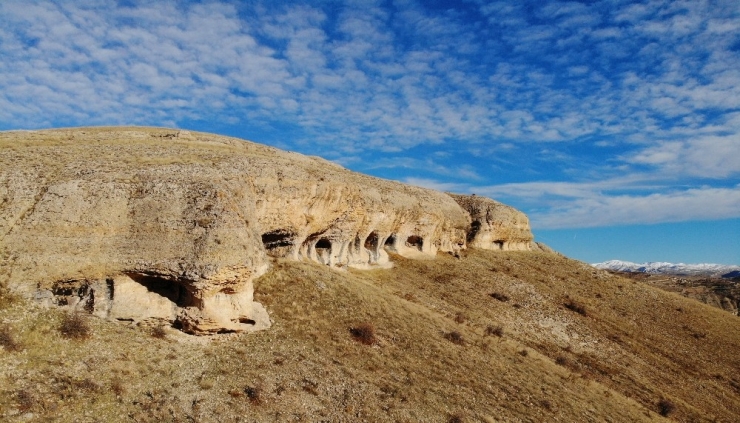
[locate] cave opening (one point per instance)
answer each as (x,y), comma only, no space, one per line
(415,241)
(390,241)
(172,290)
(371,242)
(499,245)
(474,228)
(323,244)
(278,238)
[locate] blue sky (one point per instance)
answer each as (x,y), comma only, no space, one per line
(615,125)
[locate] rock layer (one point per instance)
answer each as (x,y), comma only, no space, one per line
(161,226)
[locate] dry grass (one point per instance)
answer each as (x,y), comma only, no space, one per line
(74,326)
(308,367)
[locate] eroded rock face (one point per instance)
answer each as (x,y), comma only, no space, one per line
(495,226)
(154,225)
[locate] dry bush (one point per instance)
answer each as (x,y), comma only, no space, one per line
(562,361)
(6,298)
(117,386)
(665,407)
(26,400)
(495,331)
(460,317)
(254,394)
(7,340)
(455,337)
(456,418)
(74,326)
(501,297)
(364,333)
(576,307)
(158,332)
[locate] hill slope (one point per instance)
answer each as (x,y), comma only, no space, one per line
(577,344)
(154,229)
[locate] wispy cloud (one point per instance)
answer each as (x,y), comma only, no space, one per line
(565,101)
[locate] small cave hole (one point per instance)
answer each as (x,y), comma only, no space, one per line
(499,245)
(323,244)
(278,238)
(172,290)
(371,242)
(111,288)
(391,240)
(474,228)
(415,241)
(246,321)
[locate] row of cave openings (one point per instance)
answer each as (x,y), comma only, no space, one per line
(280,241)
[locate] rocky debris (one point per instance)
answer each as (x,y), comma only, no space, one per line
(496,226)
(158,225)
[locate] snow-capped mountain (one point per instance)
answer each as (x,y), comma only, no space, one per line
(701,269)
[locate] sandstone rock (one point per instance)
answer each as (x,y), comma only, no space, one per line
(495,226)
(148,224)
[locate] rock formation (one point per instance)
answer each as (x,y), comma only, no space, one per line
(163,226)
(496,226)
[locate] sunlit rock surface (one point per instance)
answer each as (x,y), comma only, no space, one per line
(159,226)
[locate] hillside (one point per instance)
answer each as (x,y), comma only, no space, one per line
(633,347)
(319,294)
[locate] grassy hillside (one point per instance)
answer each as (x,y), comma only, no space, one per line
(492,336)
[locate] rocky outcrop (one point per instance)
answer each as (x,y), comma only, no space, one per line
(496,226)
(160,226)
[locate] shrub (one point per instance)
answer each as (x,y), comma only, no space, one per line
(74,326)
(254,394)
(26,400)
(364,333)
(117,386)
(460,318)
(501,297)
(495,331)
(455,337)
(456,418)
(665,407)
(576,307)
(524,353)
(6,298)
(561,361)
(159,332)
(7,340)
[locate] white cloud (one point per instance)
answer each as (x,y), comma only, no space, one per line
(675,206)
(654,87)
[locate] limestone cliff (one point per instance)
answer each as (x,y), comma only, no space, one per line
(159,225)
(496,226)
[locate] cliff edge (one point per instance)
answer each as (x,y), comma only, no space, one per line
(156,225)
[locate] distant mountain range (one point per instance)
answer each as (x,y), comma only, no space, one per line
(701,269)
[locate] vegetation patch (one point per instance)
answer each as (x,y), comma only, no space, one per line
(8,341)
(666,407)
(364,333)
(455,337)
(254,394)
(159,332)
(576,307)
(495,331)
(74,326)
(499,296)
